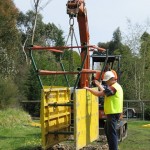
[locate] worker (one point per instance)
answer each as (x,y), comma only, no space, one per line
(113,106)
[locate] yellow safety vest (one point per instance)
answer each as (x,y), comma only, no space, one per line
(114,104)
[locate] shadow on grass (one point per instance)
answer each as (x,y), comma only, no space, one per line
(36,135)
(29,148)
(10,137)
(21,142)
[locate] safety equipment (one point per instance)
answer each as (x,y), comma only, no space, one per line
(114,104)
(108,75)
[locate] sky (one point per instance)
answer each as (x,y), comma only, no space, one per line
(104,16)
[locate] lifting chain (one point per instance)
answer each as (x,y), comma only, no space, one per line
(71,32)
(72,37)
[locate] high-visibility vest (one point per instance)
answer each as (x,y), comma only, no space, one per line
(114,104)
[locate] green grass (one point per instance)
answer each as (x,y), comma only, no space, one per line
(20,138)
(12,117)
(16,133)
(138,136)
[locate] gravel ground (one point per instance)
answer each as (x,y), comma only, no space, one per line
(100,144)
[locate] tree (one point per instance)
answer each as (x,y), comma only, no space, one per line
(116,47)
(72,62)
(116,41)
(36,11)
(9,39)
(133,40)
(145,61)
(45,35)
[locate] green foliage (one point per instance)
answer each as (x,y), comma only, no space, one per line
(45,35)
(25,23)
(116,47)
(114,44)
(8,31)
(145,65)
(12,68)
(32,108)
(9,38)
(71,61)
(135,69)
(9,93)
(147,113)
(32,87)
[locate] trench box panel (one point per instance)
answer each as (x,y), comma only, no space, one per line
(86,118)
(54,119)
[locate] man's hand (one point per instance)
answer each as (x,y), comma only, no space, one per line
(97,82)
(87,88)
(95,92)
(99,48)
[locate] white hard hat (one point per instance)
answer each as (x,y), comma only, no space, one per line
(108,75)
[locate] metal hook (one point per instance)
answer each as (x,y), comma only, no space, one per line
(71,21)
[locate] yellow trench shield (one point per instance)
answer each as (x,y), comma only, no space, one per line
(86,118)
(56,116)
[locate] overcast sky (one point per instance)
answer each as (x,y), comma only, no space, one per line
(104,16)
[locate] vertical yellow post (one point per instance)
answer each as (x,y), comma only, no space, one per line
(86,118)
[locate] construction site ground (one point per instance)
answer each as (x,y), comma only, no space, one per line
(100,144)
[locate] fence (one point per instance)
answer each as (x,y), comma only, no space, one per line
(132,108)
(135,108)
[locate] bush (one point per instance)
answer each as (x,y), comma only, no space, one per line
(147,113)
(32,108)
(9,93)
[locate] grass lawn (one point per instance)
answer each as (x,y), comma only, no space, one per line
(138,136)
(20,138)
(23,137)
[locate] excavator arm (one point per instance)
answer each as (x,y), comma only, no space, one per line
(76,8)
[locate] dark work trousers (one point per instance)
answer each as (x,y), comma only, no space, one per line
(111,132)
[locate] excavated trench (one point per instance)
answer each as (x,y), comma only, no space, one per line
(100,144)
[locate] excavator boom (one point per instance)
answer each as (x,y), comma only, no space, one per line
(76,8)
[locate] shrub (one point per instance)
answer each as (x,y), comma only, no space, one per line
(32,108)
(147,113)
(9,93)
